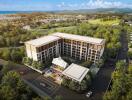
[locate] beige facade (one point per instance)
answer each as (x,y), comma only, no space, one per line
(68,45)
(82,50)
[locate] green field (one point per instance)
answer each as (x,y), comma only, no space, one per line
(101,22)
(48,31)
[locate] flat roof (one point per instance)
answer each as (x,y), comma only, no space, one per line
(75,72)
(79,38)
(43,40)
(56,36)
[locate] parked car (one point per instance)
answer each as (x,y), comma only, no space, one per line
(21,72)
(42,84)
(89,94)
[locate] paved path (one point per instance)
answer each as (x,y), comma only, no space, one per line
(101,81)
(124,47)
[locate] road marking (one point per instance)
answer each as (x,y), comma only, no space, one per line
(51,83)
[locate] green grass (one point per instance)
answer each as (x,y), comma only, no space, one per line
(99,21)
(39,31)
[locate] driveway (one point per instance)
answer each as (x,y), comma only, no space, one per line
(101,81)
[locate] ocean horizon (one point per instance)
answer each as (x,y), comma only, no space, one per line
(17,12)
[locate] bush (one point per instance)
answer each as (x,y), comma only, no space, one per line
(7,67)
(24,60)
(34,64)
(73,85)
(76,86)
(83,85)
(130,54)
(100,63)
(86,64)
(13,88)
(65,82)
(39,65)
(29,61)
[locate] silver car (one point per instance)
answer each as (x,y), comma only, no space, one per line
(42,84)
(89,94)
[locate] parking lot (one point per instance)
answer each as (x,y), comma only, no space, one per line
(46,84)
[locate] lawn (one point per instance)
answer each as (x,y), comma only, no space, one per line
(39,31)
(101,22)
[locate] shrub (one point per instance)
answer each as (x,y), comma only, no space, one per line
(39,65)
(29,61)
(86,64)
(35,64)
(76,86)
(24,60)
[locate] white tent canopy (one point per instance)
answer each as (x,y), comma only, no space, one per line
(60,62)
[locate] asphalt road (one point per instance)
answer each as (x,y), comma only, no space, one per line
(124,47)
(101,81)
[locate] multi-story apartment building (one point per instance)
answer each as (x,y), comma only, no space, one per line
(57,44)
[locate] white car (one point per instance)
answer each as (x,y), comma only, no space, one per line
(42,84)
(89,94)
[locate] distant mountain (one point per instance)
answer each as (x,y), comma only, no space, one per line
(99,10)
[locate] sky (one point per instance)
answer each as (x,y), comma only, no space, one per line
(52,5)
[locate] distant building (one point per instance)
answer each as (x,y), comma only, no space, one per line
(27,27)
(129,22)
(63,44)
(9,18)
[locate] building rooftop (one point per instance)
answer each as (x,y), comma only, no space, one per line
(79,38)
(56,36)
(60,62)
(43,40)
(75,72)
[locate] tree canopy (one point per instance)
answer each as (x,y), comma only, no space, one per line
(122,84)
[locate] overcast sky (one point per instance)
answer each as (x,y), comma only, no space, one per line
(49,5)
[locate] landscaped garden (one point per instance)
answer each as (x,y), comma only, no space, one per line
(76,86)
(36,65)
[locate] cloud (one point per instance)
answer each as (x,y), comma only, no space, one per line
(107,4)
(46,5)
(92,4)
(61,5)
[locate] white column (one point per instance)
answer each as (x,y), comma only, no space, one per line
(41,56)
(57,49)
(81,51)
(86,53)
(63,46)
(51,51)
(71,47)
